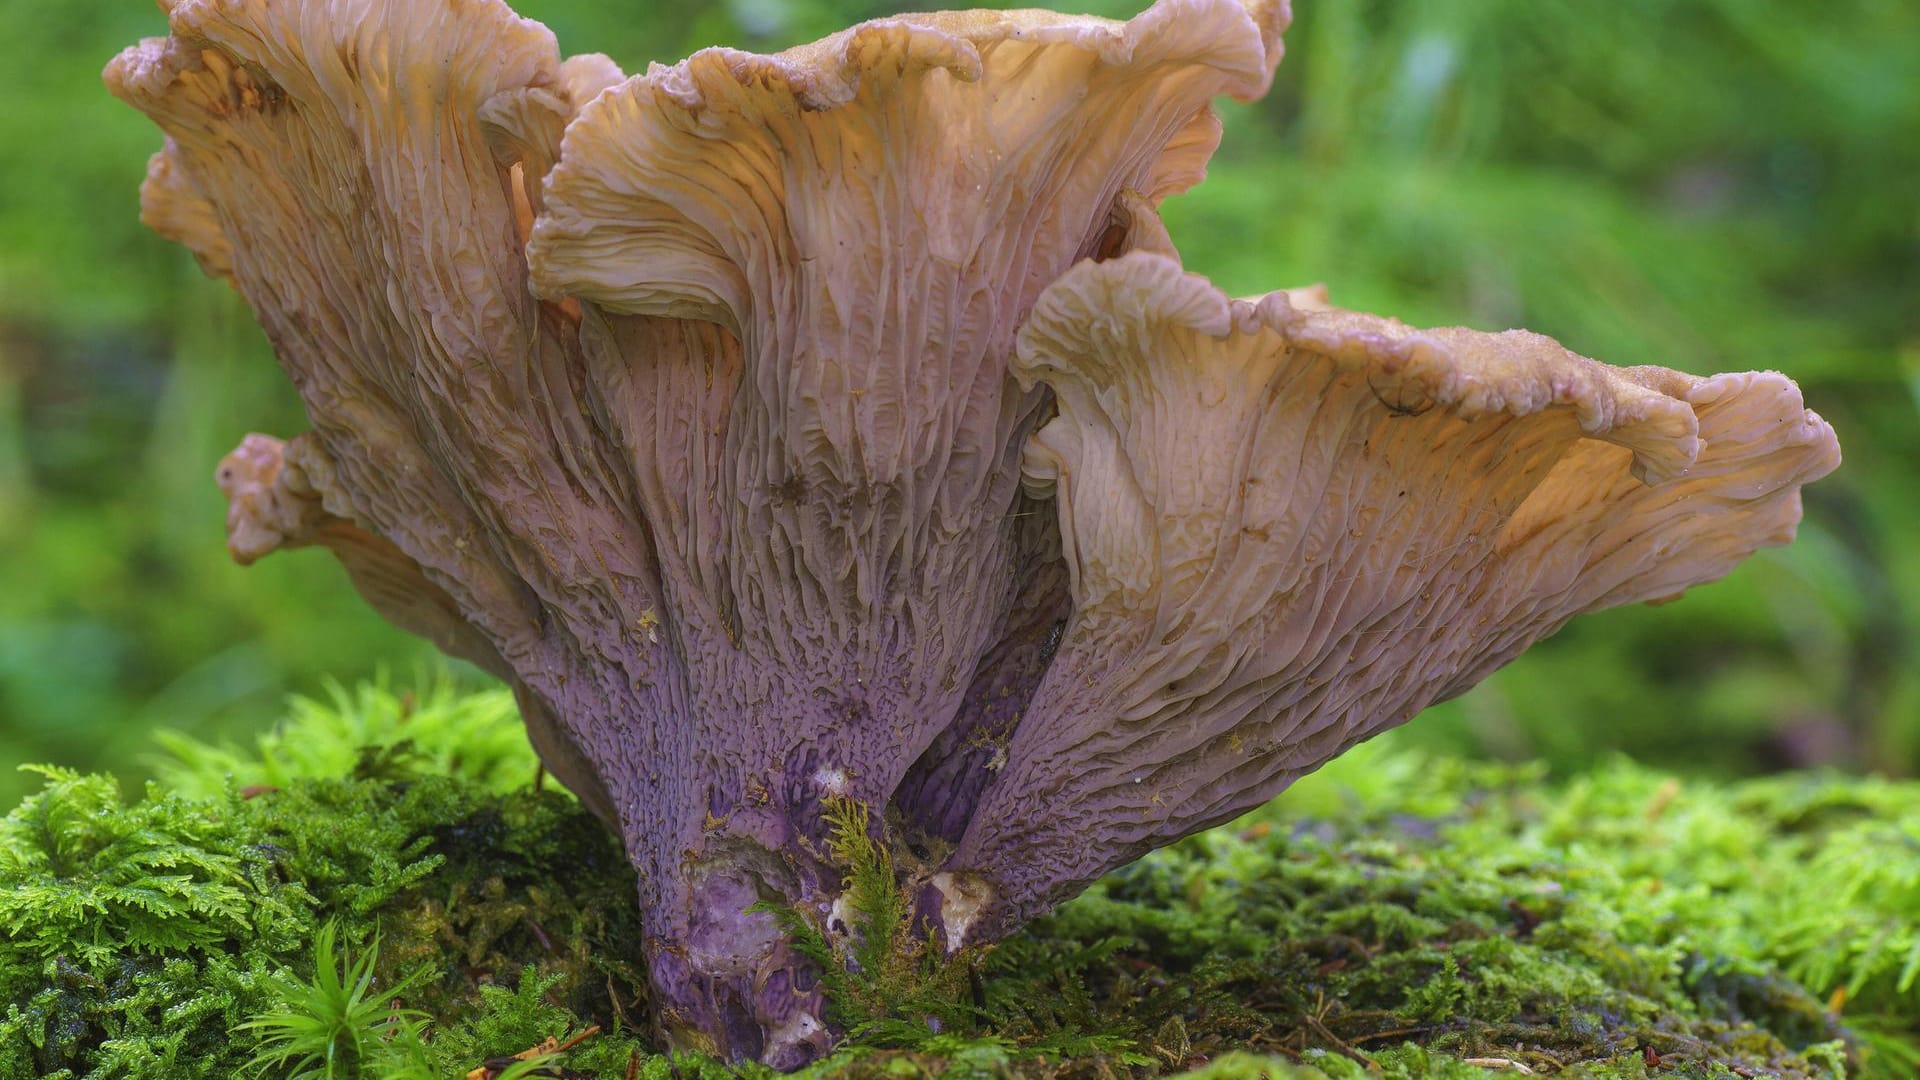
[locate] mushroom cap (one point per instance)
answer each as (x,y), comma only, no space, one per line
(1290,528)
(703,188)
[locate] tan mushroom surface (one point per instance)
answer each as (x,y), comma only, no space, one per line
(840,424)
(1290,528)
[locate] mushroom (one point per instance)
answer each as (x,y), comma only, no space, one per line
(1289,527)
(839,424)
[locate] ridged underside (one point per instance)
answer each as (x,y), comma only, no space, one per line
(1289,529)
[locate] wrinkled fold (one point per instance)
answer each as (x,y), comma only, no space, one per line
(330,159)
(1288,529)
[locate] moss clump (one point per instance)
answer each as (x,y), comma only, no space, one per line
(1394,916)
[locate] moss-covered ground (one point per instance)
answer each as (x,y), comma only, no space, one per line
(381,889)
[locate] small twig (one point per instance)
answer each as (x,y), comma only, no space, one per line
(613,995)
(1340,1044)
(1394,1033)
(540,935)
(548,1045)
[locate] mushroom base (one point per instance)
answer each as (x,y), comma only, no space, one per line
(732,985)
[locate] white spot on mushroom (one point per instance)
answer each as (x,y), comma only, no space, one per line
(963,898)
(799,1030)
(831,779)
(840,917)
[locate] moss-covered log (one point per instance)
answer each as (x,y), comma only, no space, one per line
(1395,915)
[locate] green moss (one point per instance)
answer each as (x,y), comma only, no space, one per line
(1395,916)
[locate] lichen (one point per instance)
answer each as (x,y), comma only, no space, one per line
(1396,916)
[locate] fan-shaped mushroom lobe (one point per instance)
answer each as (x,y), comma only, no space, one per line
(868,217)
(362,212)
(359,170)
(1289,529)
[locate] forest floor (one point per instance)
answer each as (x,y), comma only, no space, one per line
(381,876)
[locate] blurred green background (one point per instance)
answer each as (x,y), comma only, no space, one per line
(1703,184)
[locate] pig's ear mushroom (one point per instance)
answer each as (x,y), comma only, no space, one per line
(1289,529)
(700,405)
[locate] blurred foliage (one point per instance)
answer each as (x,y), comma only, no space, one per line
(1696,183)
(1397,915)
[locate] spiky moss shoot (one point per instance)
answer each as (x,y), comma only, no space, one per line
(1395,916)
(139,938)
(886,978)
